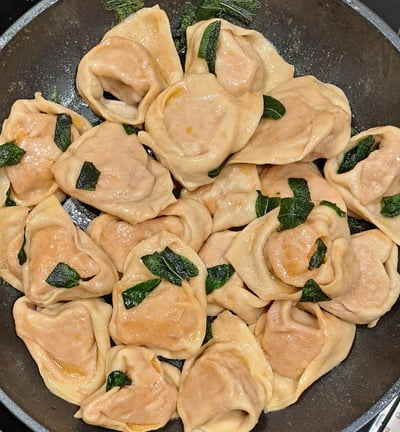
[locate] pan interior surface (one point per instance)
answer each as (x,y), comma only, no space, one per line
(331,40)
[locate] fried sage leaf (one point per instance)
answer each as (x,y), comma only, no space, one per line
(10,154)
(117,378)
(136,294)
(170,266)
(318,256)
(88,177)
(312,292)
(390,206)
(218,276)
(209,43)
(358,153)
(63,276)
(62,133)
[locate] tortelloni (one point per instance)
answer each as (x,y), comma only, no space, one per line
(378,285)
(108,169)
(138,395)
(62,261)
(186,218)
(231,197)
(312,261)
(230,394)
(212,125)
(12,240)
(160,301)
(69,343)
(245,59)
(301,343)
(121,76)
(367,174)
(227,290)
(40,130)
(316,125)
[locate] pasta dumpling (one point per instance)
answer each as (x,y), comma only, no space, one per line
(69,343)
(277,263)
(186,218)
(212,125)
(232,294)
(245,60)
(150,27)
(156,310)
(129,185)
(63,262)
(370,184)
(34,126)
(378,285)
(12,241)
(138,395)
(231,197)
(112,87)
(226,395)
(301,343)
(316,125)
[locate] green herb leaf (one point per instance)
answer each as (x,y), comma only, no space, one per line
(357,225)
(136,294)
(209,334)
(318,256)
(390,206)
(208,9)
(54,96)
(117,379)
(170,266)
(209,43)
(130,129)
(358,153)
(88,177)
(312,292)
(187,18)
(243,11)
(63,276)
(299,188)
(334,207)
(9,202)
(294,211)
(123,8)
(216,171)
(10,154)
(265,204)
(218,276)
(62,134)
(22,254)
(273,108)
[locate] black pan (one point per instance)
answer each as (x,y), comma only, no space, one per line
(338,41)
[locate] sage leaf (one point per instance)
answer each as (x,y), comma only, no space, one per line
(218,276)
(312,292)
(208,9)
(22,254)
(356,154)
(63,276)
(10,154)
(88,177)
(136,294)
(357,225)
(318,256)
(273,108)
(62,133)
(390,206)
(117,379)
(130,129)
(123,8)
(216,171)
(209,43)
(9,202)
(265,204)
(334,207)
(170,266)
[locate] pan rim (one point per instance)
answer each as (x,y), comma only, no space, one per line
(361,9)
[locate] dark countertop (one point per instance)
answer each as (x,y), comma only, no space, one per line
(388,10)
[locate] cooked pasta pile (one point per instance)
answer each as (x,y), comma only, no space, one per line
(241,230)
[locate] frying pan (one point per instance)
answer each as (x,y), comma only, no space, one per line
(338,41)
